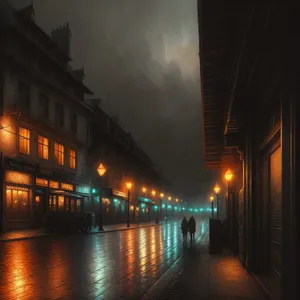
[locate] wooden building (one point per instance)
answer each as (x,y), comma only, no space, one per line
(249,57)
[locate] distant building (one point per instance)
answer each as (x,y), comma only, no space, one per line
(44,121)
(124,162)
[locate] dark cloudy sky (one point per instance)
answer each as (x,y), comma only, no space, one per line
(141,58)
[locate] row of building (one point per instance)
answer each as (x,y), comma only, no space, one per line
(249,53)
(52,139)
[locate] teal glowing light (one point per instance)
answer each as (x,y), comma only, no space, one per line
(191,209)
(183,208)
(94,191)
(196,210)
(155,207)
(143,204)
(215,209)
(208,209)
(175,207)
(169,206)
(163,206)
(116,201)
(201,209)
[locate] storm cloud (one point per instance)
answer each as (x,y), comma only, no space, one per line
(141,58)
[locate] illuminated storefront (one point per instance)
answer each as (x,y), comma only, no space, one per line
(18,196)
(29,194)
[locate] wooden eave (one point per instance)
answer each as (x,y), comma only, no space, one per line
(220,34)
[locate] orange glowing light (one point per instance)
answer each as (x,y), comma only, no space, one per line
(153,193)
(211,199)
(128,185)
(217,189)
(169,198)
(177,200)
(228,175)
(144,190)
(161,195)
(101,169)
(131,207)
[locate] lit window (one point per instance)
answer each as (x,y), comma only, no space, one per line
(59,153)
(72,159)
(24,140)
(61,203)
(43,147)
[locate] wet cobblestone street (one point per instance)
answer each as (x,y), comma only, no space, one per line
(116,265)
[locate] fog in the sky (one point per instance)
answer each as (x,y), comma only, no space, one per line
(141,58)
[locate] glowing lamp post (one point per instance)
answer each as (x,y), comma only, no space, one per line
(217,191)
(101,171)
(169,199)
(128,186)
(228,177)
(161,196)
(211,199)
(144,190)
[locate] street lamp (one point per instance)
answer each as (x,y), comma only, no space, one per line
(211,199)
(228,177)
(128,185)
(161,196)
(101,171)
(153,193)
(217,191)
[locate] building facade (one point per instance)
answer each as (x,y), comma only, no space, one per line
(125,162)
(44,123)
(249,81)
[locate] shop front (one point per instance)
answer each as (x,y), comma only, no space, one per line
(29,193)
(17,200)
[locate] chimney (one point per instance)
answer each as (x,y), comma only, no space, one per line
(62,37)
(78,74)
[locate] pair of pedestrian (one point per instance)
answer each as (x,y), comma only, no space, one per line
(188,226)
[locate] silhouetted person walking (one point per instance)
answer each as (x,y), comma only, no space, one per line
(192,228)
(184,229)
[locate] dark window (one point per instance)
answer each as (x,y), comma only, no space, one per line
(59,114)
(73,122)
(44,106)
(24,97)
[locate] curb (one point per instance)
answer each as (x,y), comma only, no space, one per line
(75,233)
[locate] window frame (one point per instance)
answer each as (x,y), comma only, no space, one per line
(23,105)
(71,157)
(59,114)
(44,104)
(43,147)
(59,152)
(25,139)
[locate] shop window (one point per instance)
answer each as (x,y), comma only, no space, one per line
(72,205)
(43,147)
(17,203)
(24,140)
(59,153)
(72,157)
(67,204)
(52,202)
(78,205)
(61,203)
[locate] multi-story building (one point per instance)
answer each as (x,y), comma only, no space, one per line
(44,133)
(249,54)
(125,162)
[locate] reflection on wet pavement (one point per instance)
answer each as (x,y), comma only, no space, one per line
(109,266)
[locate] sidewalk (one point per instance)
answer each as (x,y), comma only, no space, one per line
(37,233)
(205,276)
